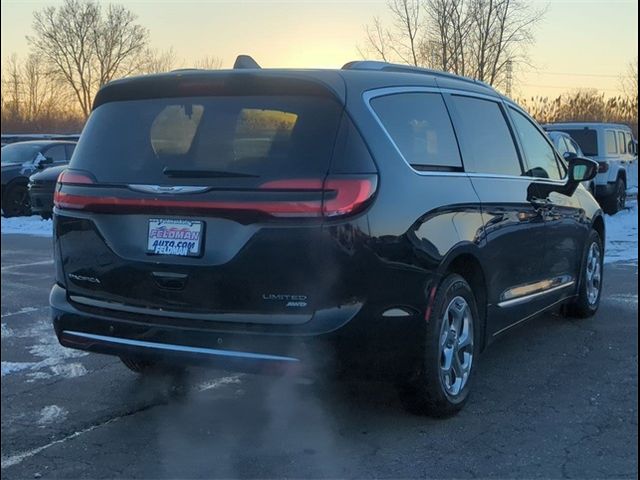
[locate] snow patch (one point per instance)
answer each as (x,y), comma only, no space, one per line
(218,382)
(22,310)
(13,367)
(51,414)
(622,235)
(629,298)
(5,331)
(54,359)
(33,225)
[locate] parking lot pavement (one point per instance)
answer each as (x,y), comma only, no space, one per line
(555,399)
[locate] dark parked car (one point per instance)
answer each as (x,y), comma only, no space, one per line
(41,187)
(22,159)
(568,148)
(377,218)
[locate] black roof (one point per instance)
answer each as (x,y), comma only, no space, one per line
(354,77)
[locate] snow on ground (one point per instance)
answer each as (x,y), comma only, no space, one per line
(33,225)
(51,414)
(622,235)
(52,359)
(622,231)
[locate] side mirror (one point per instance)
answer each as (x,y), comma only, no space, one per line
(41,161)
(568,156)
(582,169)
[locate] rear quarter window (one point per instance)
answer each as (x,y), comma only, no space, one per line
(419,125)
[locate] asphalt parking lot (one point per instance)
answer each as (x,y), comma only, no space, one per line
(555,399)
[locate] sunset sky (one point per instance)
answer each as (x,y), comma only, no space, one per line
(579,43)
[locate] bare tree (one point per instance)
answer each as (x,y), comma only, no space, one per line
(630,80)
(403,39)
(501,31)
(377,41)
(12,87)
(477,38)
(34,101)
(209,62)
(158,61)
(86,46)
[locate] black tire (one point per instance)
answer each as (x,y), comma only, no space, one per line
(16,202)
(147,366)
(584,306)
(617,200)
(425,392)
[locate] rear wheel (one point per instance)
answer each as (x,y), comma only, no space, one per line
(618,199)
(588,300)
(16,201)
(440,386)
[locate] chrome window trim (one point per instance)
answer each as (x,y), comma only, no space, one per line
(384,91)
(179,348)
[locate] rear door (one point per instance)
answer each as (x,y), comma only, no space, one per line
(515,239)
(212,204)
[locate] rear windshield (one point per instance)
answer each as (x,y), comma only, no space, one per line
(587,139)
(190,140)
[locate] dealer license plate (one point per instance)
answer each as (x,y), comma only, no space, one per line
(174,237)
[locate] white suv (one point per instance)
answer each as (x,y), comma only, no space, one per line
(614,147)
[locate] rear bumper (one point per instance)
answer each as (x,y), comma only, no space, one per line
(356,337)
(41,200)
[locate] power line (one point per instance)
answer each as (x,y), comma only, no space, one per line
(603,75)
(565,87)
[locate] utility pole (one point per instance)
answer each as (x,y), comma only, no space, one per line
(509,68)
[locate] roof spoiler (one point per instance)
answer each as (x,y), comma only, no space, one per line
(245,61)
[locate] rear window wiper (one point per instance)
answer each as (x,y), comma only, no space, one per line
(179,173)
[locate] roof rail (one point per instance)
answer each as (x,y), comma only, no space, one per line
(245,61)
(395,67)
(188,69)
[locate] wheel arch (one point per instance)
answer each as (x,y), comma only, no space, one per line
(465,261)
(599,226)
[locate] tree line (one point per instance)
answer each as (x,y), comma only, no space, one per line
(75,49)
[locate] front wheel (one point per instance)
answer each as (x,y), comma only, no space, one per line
(16,201)
(442,380)
(590,290)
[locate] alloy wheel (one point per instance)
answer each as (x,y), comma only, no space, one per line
(594,273)
(456,346)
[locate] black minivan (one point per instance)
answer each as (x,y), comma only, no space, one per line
(376,218)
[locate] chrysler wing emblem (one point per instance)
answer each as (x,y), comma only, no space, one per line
(167,189)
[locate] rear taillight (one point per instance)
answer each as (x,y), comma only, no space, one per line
(69,177)
(351,195)
(340,195)
(603,167)
(302,198)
